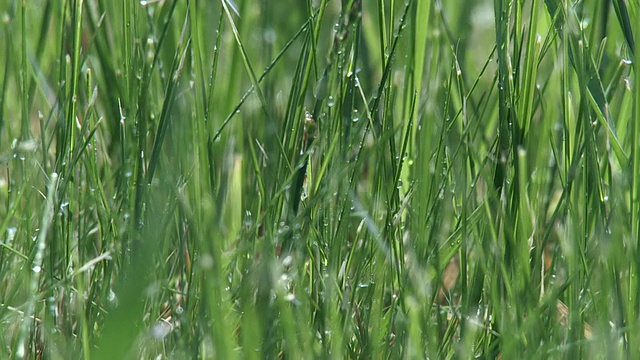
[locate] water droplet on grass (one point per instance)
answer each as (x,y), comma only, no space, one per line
(160,330)
(11,233)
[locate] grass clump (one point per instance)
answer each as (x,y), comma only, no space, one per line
(319,179)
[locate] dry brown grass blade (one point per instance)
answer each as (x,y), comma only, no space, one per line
(449,279)
(563,319)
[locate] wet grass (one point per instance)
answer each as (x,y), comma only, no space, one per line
(319,179)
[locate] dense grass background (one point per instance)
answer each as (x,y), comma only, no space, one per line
(319,179)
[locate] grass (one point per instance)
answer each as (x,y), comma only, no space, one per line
(319,179)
